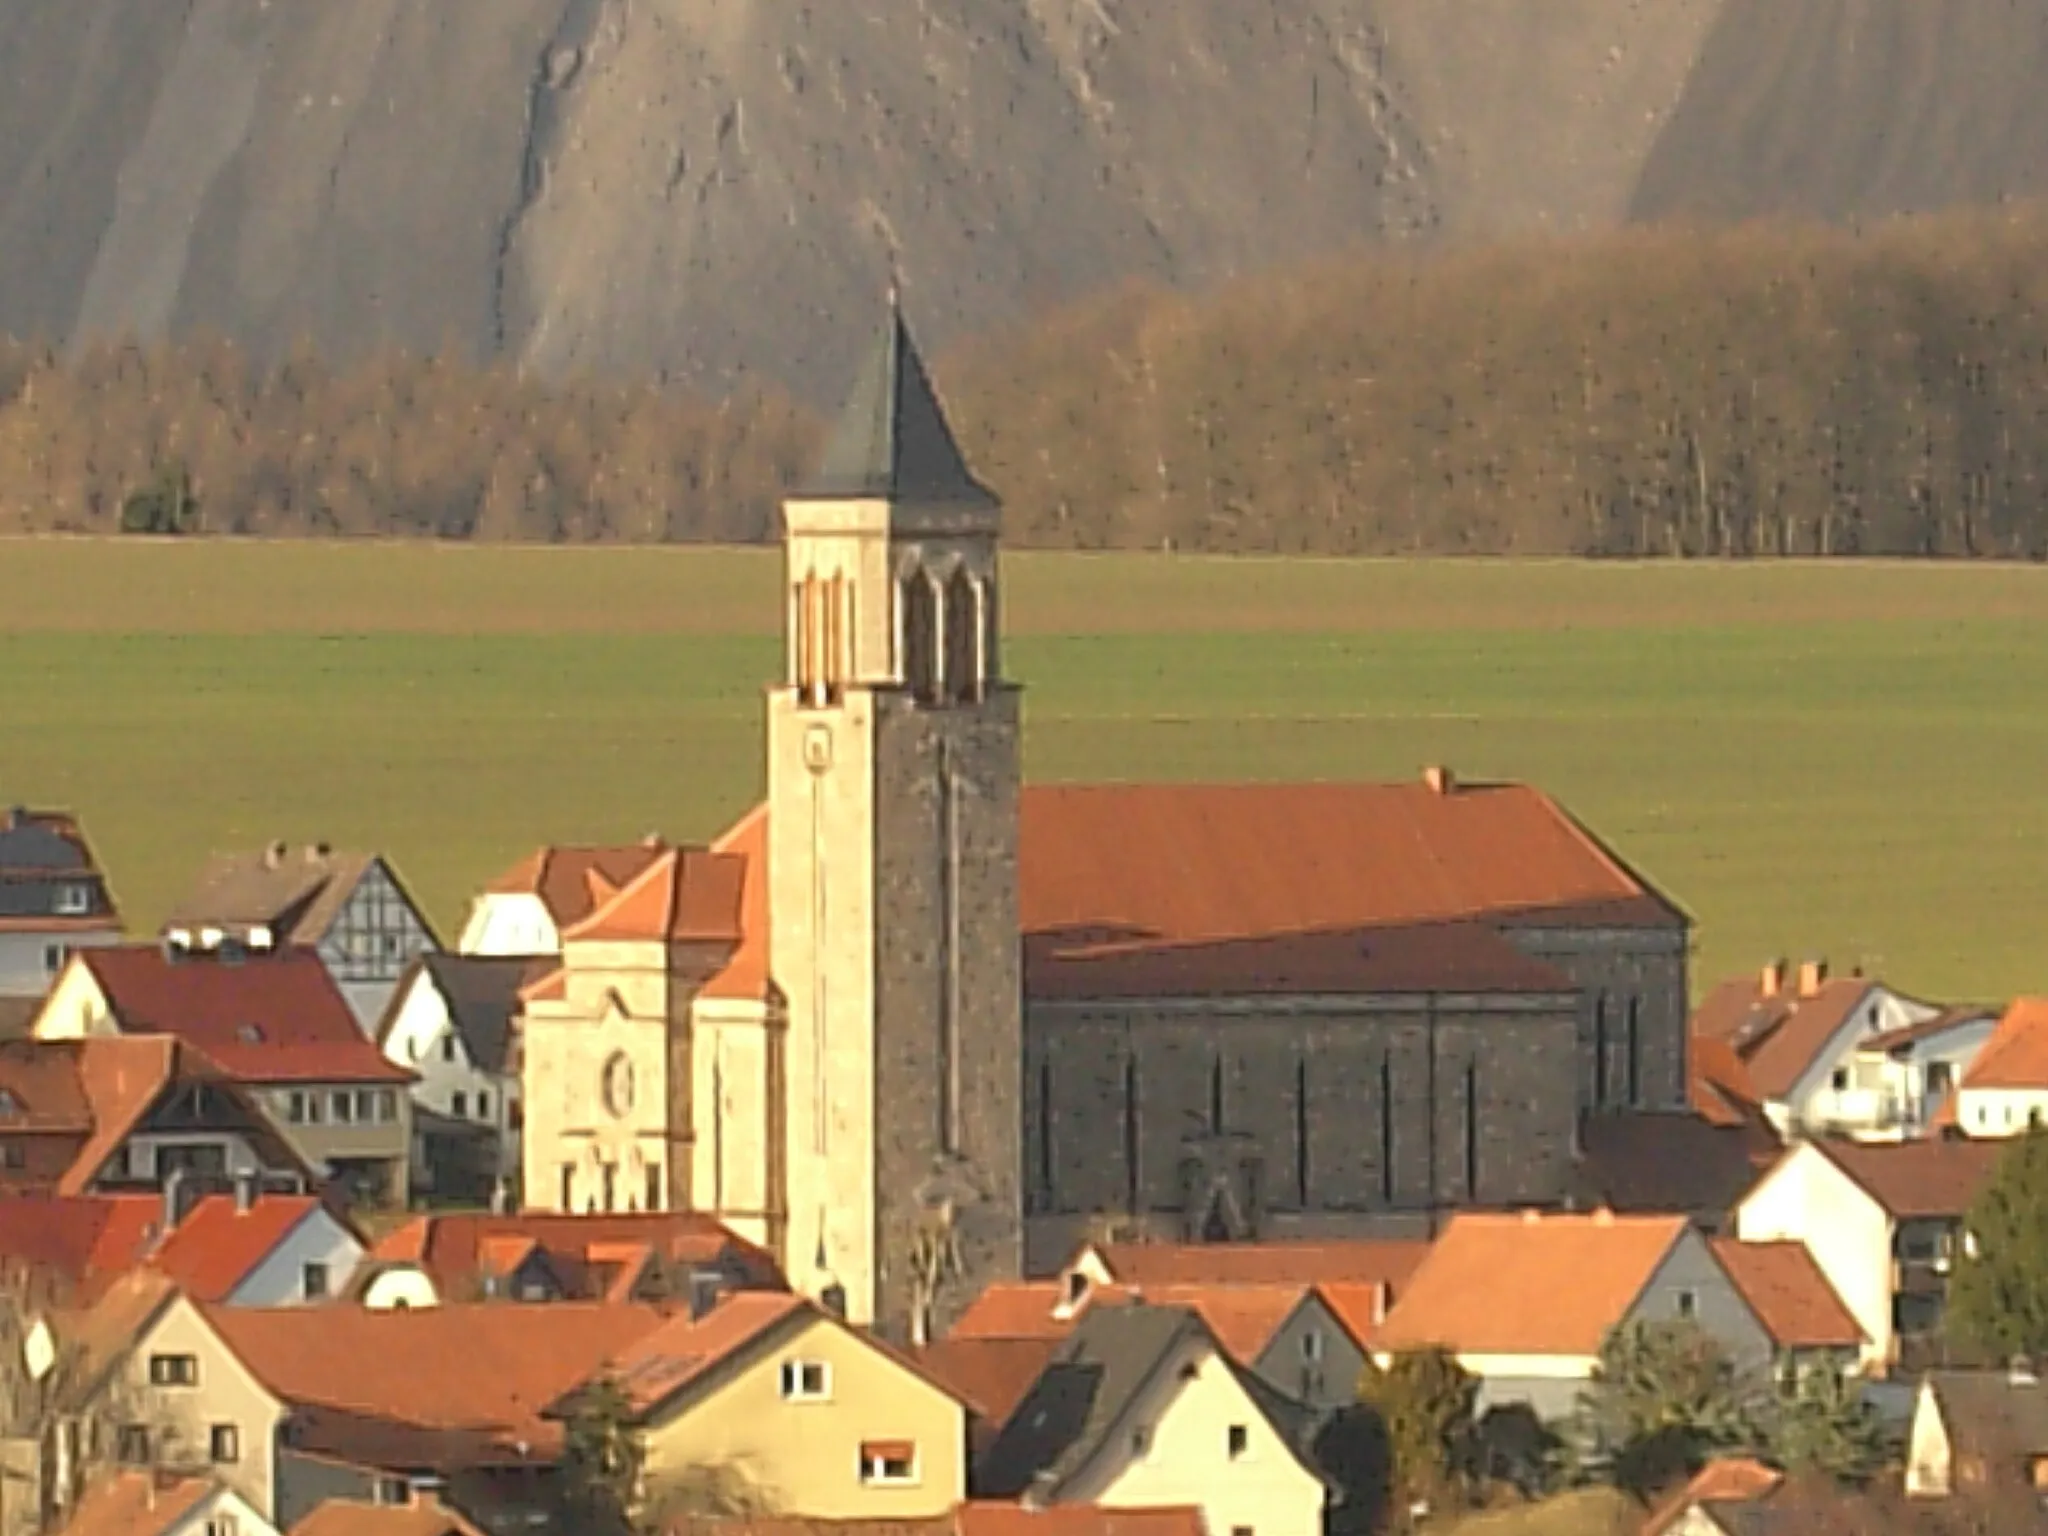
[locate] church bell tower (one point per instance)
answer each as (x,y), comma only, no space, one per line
(892,785)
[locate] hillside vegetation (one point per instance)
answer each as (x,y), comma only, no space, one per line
(712,190)
(1766,390)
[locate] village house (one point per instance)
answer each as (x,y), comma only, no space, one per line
(1883,1222)
(2005,1090)
(1838,1055)
(151,1503)
(792,1408)
(453,1021)
(1141,1407)
(350,909)
(523,913)
(53,901)
(1715,1500)
(245,1249)
(276,1025)
(1810,1327)
(1290,1336)
(533,1257)
(1209,995)
(294,1406)
(1526,1301)
(1974,1431)
(123,1114)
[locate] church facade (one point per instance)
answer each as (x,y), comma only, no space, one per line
(916,1027)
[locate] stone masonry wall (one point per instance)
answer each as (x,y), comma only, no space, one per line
(1615,968)
(1357,1110)
(913,1167)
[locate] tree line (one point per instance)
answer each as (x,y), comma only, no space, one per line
(1752,391)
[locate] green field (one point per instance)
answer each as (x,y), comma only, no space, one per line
(1844,760)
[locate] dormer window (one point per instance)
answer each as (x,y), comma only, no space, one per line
(73,899)
(249,1034)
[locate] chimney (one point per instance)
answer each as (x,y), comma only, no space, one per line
(1441,780)
(1380,1300)
(1772,981)
(1813,975)
(652,840)
(245,1189)
(273,856)
(316,853)
(174,1199)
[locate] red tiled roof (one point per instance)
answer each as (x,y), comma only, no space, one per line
(745,976)
(2016,1055)
(570,882)
(1574,1278)
(991,1375)
(219,1244)
(1181,867)
(1777,1037)
(660,1364)
(425,1516)
(457,1248)
(1726,1479)
(1912,1179)
(275,1019)
(1956,1017)
(996,1518)
(484,1372)
(1134,889)
(1718,1086)
(82,1242)
(137,1504)
(1361,1306)
(1243,1317)
(1149,1264)
(121,1078)
(686,896)
(40,1089)
(1789,1294)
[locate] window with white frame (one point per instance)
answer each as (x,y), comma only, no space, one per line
(884,1463)
(806,1381)
(73,899)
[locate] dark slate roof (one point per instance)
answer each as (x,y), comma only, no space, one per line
(892,440)
(1084,1392)
(1659,1161)
(1989,1414)
(482,993)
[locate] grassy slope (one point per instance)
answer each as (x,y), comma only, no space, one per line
(1811,760)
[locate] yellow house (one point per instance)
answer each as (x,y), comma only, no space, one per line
(815,1418)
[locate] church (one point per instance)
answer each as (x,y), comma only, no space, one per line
(915,1026)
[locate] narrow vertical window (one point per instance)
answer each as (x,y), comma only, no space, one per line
(1472,1129)
(1599,1050)
(1216,1096)
(1635,1044)
(1131,1141)
(1045,1132)
(1301,1133)
(963,639)
(1387,1128)
(920,636)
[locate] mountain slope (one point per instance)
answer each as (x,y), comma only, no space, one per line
(712,188)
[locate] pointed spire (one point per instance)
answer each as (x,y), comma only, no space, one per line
(892,441)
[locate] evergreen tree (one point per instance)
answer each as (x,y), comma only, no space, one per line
(1998,1296)
(1821,1423)
(1425,1402)
(1663,1398)
(601,1462)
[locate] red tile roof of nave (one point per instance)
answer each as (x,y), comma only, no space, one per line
(688,896)
(1286,887)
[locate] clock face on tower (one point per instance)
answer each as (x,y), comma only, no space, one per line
(617,1085)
